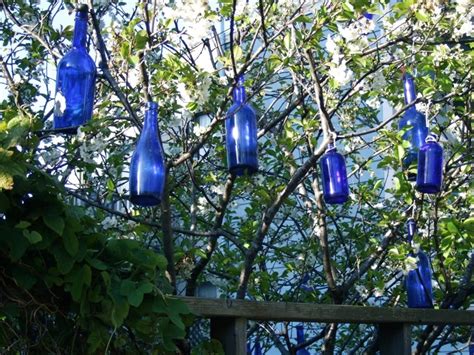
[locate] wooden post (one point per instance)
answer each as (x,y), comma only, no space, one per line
(394,339)
(232,333)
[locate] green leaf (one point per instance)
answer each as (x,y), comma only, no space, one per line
(23,225)
(119,311)
(23,277)
(80,278)
(141,40)
(16,241)
(54,222)
(64,261)
(469,224)
(97,264)
(133,292)
(33,237)
(71,244)
(422,16)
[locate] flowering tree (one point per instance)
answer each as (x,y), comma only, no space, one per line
(311,68)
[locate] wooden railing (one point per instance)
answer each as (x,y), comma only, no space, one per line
(229,319)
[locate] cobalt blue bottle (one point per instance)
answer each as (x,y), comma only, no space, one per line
(75,80)
(147,168)
(300,339)
(258,348)
(334,176)
(417,133)
(418,281)
(430,166)
(241,134)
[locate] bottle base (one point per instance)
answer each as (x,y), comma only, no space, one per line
(428,189)
(243,169)
(145,200)
(336,199)
(66,130)
(426,306)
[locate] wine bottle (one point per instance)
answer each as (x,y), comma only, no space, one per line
(75,80)
(418,130)
(418,281)
(300,339)
(147,168)
(430,166)
(241,134)
(334,176)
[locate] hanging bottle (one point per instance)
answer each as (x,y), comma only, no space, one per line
(418,281)
(417,133)
(300,339)
(258,348)
(241,134)
(334,176)
(147,167)
(75,80)
(430,166)
(304,283)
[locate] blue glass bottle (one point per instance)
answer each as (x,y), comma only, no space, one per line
(241,134)
(258,348)
(300,339)
(304,283)
(418,281)
(147,167)
(430,166)
(75,81)
(417,133)
(334,176)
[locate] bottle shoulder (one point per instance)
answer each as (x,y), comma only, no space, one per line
(77,58)
(332,155)
(433,147)
(412,117)
(241,109)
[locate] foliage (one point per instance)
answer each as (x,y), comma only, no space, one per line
(263,236)
(66,285)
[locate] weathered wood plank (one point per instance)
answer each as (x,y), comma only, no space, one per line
(394,339)
(232,334)
(324,313)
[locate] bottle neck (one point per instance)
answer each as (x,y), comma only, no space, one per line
(411,228)
(151,121)
(80,30)
(409,89)
(239,94)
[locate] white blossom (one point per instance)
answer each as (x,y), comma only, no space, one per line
(464,6)
(331,45)
(59,104)
(199,130)
(202,205)
(466,28)
(379,81)
(410,263)
(373,102)
(378,292)
(341,73)
(362,290)
(219,190)
(109,222)
(441,53)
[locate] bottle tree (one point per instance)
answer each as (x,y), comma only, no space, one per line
(310,70)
